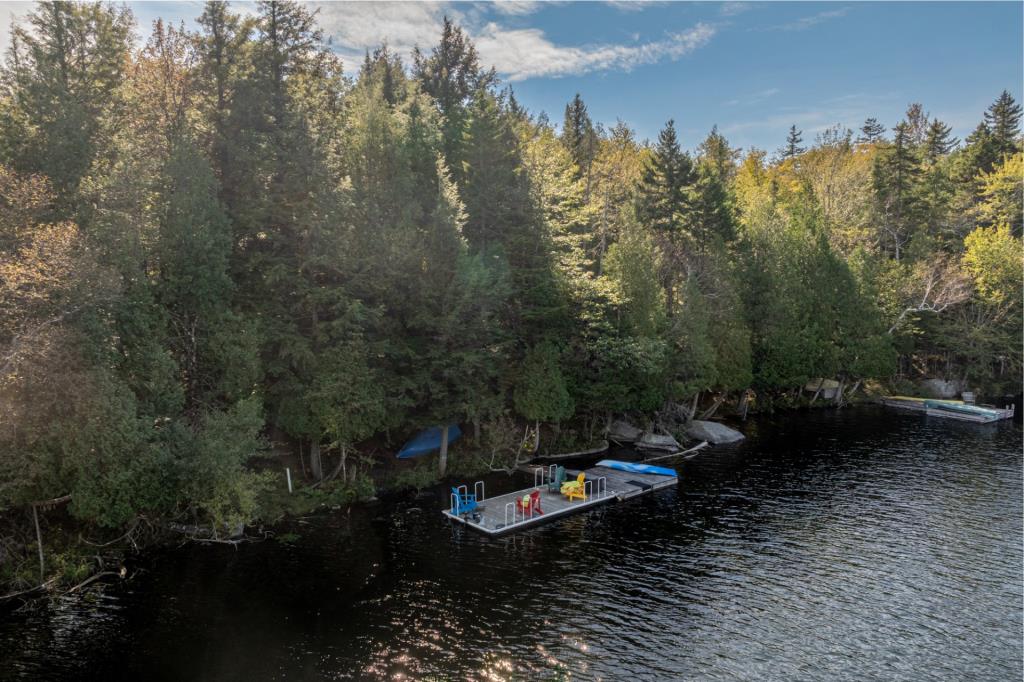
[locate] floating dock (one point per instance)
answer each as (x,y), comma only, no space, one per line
(951,409)
(499,515)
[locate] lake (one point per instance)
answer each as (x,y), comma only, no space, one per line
(849,544)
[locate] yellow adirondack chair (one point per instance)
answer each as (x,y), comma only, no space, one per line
(572,489)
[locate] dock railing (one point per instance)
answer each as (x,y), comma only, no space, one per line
(462,491)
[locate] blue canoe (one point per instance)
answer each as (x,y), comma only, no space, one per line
(636,467)
(428,441)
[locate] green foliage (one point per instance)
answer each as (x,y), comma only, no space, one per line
(541,393)
(219,238)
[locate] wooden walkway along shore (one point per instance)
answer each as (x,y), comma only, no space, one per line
(498,515)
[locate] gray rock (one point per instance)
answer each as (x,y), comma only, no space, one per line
(713,432)
(940,388)
(623,432)
(654,441)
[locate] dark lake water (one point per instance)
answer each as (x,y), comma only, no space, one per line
(858,544)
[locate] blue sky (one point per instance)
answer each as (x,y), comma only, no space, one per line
(752,68)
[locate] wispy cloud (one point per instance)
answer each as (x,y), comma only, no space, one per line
(848,110)
(516,53)
(630,5)
(514,7)
(731,9)
(804,23)
(354,27)
(528,53)
(753,98)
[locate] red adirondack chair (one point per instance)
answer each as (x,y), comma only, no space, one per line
(525,504)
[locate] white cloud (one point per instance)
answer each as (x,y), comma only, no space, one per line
(516,53)
(753,98)
(630,5)
(528,53)
(805,23)
(355,27)
(731,9)
(514,7)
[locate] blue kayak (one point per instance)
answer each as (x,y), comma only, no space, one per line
(428,441)
(636,467)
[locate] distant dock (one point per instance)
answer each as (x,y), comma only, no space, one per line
(500,515)
(950,409)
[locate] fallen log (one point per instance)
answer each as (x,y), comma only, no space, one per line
(691,452)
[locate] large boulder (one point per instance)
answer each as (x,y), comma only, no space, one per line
(623,432)
(825,388)
(940,388)
(713,432)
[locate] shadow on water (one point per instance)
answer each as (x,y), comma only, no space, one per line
(853,544)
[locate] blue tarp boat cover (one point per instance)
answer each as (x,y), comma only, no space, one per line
(428,441)
(957,407)
(637,467)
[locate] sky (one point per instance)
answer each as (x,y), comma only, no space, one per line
(751,68)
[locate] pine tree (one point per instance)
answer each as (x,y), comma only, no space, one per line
(793,140)
(897,179)
(1003,120)
(916,123)
(61,82)
(663,192)
(938,141)
(716,153)
(579,137)
(452,76)
(219,46)
(664,198)
(871,132)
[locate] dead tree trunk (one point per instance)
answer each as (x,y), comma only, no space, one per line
(851,393)
(693,408)
(839,392)
(315,464)
(744,404)
(708,413)
(39,541)
(442,460)
(821,383)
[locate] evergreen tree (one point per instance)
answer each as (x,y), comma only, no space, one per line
(871,132)
(579,137)
(897,180)
(793,140)
(61,89)
(916,125)
(715,153)
(1003,121)
(452,76)
(664,197)
(938,142)
(541,394)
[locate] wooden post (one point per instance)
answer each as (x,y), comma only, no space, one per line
(39,541)
(288,475)
(442,460)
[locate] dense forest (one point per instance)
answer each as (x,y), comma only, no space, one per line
(221,244)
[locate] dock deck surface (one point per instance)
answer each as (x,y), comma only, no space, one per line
(495,517)
(918,405)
